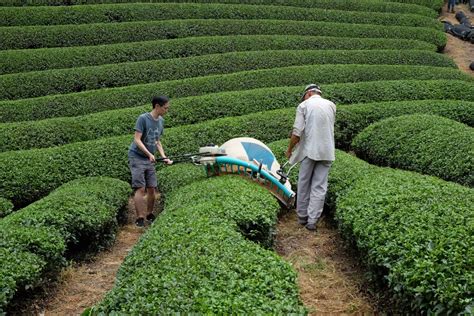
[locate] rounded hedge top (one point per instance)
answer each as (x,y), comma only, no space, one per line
(425,143)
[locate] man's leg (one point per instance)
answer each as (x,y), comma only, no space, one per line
(304,189)
(138,169)
(451,4)
(319,185)
(140,204)
(151,184)
(150,196)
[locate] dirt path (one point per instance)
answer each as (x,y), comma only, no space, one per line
(84,284)
(329,278)
(462,52)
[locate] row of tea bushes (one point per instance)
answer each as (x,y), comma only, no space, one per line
(6,207)
(413,231)
(433,4)
(35,240)
(19,37)
(69,57)
(42,170)
(427,144)
(105,99)
(256,226)
(349,5)
(117,13)
(61,81)
(194,258)
(351,119)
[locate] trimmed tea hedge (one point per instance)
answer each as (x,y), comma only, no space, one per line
(435,5)
(45,169)
(414,232)
(82,212)
(18,269)
(176,176)
(428,144)
(6,207)
(60,81)
(349,5)
(352,119)
(117,13)
(18,37)
(105,99)
(194,260)
(70,57)
(42,170)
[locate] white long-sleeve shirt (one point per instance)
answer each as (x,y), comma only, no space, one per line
(314,124)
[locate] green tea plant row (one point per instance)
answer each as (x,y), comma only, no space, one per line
(195,258)
(36,240)
(105,99)
(43,170)
(61,81)
(414,232)
(190,110)
(6,207)
(15,61)
(349,5)
(19,37)
(427,144)
(352,119)
(113,13)
(435,5)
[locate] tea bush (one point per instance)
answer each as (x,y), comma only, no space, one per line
(427,144)
(222,272)
(414,232)
(350,5)
(176,176)
(6,207)
(60,81)
(105,99)
(351,119)
(80,213)
(18,37)
(118,13)
(435,5)
(42,170)
(18,270)
(70,57)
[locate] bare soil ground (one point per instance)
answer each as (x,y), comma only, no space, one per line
(84,284)
(330,278)
(462,52)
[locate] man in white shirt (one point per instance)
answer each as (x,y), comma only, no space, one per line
(312,144)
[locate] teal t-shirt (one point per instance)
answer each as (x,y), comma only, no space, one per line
(151,130)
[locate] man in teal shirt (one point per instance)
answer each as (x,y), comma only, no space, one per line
(141,157)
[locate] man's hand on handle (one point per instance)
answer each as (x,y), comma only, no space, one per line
(167,161)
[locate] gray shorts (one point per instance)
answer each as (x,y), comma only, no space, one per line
(143,173)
